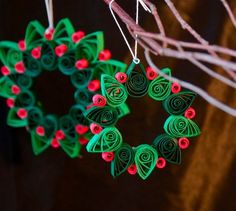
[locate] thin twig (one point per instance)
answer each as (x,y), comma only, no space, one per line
(229,11)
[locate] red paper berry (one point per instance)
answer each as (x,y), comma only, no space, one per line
(81,64)
(151,74)
(15,89)
(49,34)
(22,113)
(183,143)
(10,102)
(22,45)
(60,50)
(40,130)
(36,53)
(83,140)
(60,135)
(77,36)
(121,77)
(5,71)
(132,169)
(55,143)
(81,129)
(108,156)
(99,100)
(175,88)
(94,85)
(190,113)
(161,163)
(104,55)
(95,129)
(20,67)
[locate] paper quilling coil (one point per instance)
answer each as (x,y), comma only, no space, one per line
(167,147)
(33,66)
(48,58)
(177,104)
(66,124)
(124,157)
(103,116)
(25,99)
(81,78)
(35,117)
(76,112)
(108,140)
(66,63)
(83,96)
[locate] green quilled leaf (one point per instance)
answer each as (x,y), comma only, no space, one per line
(14,121)
(108,140)
(145,160)
(179,126)
(39,144)
(114,91)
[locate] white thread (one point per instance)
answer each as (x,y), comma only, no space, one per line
(134,54)
(192,87)
(49,8)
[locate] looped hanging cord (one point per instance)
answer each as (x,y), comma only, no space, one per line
(134,54)
(49,8)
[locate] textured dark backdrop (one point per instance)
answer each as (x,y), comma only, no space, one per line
(204,182)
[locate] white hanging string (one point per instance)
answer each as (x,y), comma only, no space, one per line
(49,8)
(134,54)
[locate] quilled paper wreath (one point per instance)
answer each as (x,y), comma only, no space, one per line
(76,55)
(166,147)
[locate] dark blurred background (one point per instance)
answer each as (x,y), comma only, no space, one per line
(206,179)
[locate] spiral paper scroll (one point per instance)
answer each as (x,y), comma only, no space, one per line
(168,148)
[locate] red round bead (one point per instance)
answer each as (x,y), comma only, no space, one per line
(60,50)
(82,64)
(77,36)
(60,135)
(161,163)
(22,45)
(49,34)
(183,143)
(20,67)
(5,71)
(55,143)
(99,100)
(10,102)
(151,74)
(36,53)
(40,131)
(108,156)
(22,113)
(83,140)
(121,77)
(95,128)
(190,113)
(132,169)
(15,89)
(175,88)
(81,129)
(94,85)
(104,55)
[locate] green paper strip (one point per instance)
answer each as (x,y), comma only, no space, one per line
(66,63)
(13,120)
(39,144)
(35,118)
(178,103)
(114,91)
(5,87)
(160,88)
(76,112)
(90,46)
(83,97)
(72,149)
(24,100)
(124,157)
(105,116)
(33,66)
(145,160)
(50,125)
(23,81)
(81,78)
(108,140)
(168,148)
(137,83)
(179,126)
(48,58)
(67,124)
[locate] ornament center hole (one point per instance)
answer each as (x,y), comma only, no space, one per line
(55,92)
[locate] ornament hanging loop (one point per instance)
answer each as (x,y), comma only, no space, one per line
(49,8)
(136,60)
